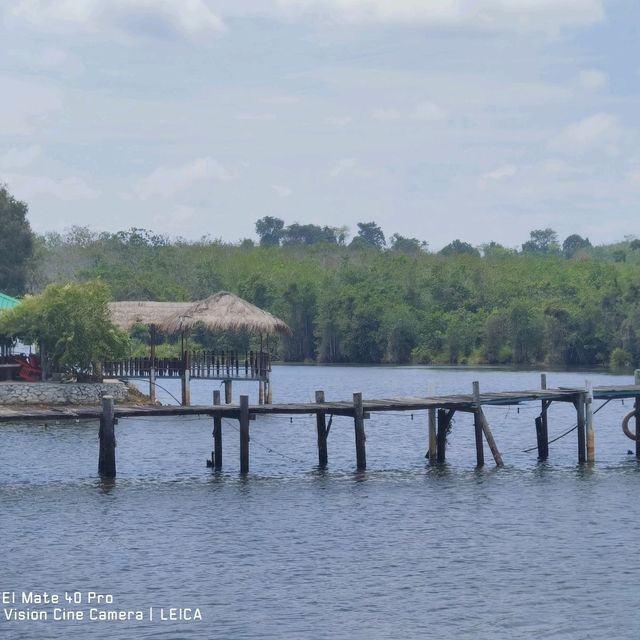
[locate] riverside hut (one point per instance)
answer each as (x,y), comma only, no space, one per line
(222,311)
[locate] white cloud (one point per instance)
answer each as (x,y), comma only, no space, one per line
(505,171)
(166,182)
(349,166)
(68,189)
(282,190)
(488,14)
(256,117)
(29,107)
(592,79)
(599,133)
(386,114)
(159,18)
(429,112)
(19,157)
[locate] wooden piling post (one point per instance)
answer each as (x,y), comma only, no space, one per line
(321,426)
(490,440)
(244,434)
(107,453)
(588,415)
(542,431)
(268,394)
(579,403)
(433,439)
(477,424)
(228,391)
(441,447)
(152,366)
(358,417)
(261,392)
(217,434)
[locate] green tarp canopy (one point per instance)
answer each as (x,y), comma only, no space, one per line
(6,302)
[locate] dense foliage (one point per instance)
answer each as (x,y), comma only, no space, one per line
(561,304)
(16,243)
(72,323)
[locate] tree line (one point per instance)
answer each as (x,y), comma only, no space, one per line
(372,301)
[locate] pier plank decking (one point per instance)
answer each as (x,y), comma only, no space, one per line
(442,407)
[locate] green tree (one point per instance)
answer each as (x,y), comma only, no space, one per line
(542,241)
(16,243)
(457,248)
(573,244)
(410,246)
(72,322)
(369,235)
(269,230)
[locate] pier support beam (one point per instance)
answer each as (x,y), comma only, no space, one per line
(433,438)
(244,434)
(107,454)
(217,434)
(477,424)
(444,420)
(542,429)
(261,392)
(228,391)
(321,427)
(358,417)
(579,403)
(489,438)
(588,419)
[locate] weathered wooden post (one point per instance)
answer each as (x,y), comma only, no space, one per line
(107,453)
(228,389)
(268,393)
(321,426)
(261,392)
(443,423)
(477,423)
(244,434)
(433,440)
(489,438)
(186,376)
(542,425)
(588,414)
(217,434)
(579,403)
(637,408)
(358,417)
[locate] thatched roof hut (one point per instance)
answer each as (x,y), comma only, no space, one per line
(127,314)
(225,311)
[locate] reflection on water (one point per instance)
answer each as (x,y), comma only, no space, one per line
(403,550)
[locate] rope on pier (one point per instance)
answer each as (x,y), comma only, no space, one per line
(566,433)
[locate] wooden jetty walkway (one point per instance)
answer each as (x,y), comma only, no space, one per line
(440,410)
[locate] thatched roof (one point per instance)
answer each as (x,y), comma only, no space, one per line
(225,311)
(127,314)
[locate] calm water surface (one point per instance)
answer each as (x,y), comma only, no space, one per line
(400,551)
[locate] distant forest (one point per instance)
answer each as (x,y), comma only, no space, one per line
(376,301)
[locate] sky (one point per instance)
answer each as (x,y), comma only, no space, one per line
(477,120)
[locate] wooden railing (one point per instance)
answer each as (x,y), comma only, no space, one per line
(214,365)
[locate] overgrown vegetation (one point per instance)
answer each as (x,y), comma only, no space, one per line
(559,303)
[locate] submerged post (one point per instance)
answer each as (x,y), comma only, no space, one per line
(489,437)
(228,391)
(217,434)
(261,392)
(107,454)
(443,423)
(152,366)
(433,440)
(358,418)
(579,404)
(244,434)
(477,424)
(542,427)
(588,414)
(321,427)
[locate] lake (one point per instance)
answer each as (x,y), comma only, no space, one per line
(403,550)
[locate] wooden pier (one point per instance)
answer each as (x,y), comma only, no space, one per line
(440,411)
